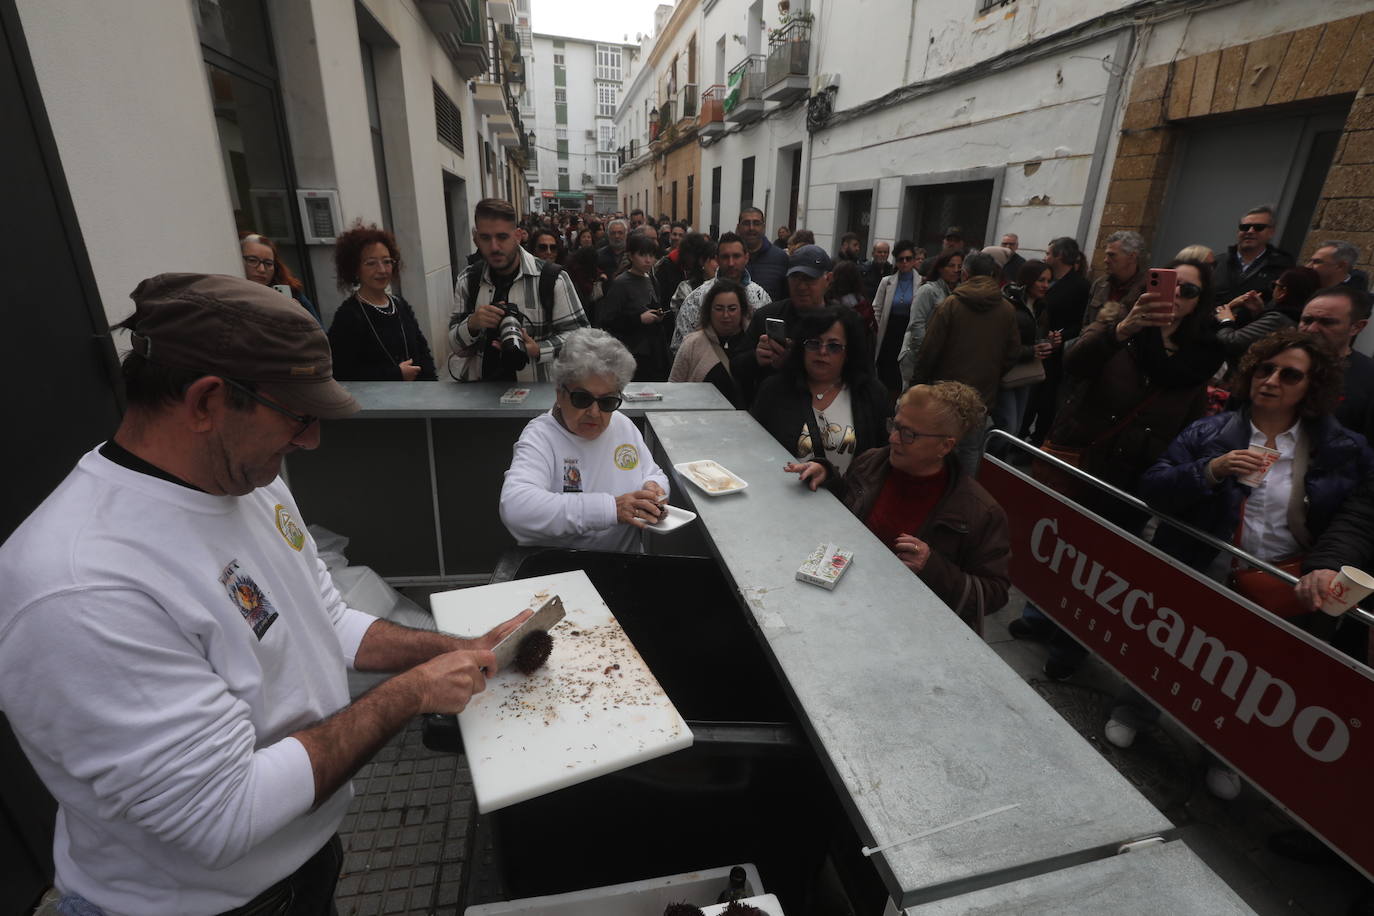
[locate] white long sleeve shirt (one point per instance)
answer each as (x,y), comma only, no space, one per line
(158,645)
(560,488)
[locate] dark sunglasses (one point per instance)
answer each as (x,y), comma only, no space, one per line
(1255,227)
(1189,291)
(906,257)
(584,399)
(545,247)
(909,436)
(1287,374)
(305,420)
(832,347)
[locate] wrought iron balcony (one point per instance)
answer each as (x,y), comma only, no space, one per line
(789,62)
(711,120)
(744,90)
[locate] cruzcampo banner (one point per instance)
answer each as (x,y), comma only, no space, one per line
(1280,706)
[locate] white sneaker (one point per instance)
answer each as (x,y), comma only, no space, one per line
(1222,782)
(1119,733)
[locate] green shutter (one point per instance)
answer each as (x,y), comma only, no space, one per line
(562,149)
(562,182)
(560,76)
(560,113)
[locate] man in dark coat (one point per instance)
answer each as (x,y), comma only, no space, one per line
(1252,263)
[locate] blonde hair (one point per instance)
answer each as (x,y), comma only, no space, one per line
(1200,253)
(960,407)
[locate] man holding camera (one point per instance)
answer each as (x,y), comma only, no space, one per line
(512,310)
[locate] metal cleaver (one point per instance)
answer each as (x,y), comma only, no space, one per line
(545,616)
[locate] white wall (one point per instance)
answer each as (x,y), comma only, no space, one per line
(128,98)
(580,66)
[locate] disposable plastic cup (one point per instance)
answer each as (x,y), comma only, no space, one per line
(1349,588)
(1270,455)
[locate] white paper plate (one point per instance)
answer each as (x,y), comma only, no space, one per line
(686,470)
(673,520)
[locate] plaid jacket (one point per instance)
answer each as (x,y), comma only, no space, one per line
(567,317)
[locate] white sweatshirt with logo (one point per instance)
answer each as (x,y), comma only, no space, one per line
(560,488)
(157,647)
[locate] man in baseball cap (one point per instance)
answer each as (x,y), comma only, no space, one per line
(172,649)
(808,277)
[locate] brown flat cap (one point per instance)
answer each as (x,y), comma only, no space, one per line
(234,328)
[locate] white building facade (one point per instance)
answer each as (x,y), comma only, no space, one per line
(575,88)
(292,120)
(1043,118)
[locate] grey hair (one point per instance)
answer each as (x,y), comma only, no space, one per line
(592,351)
(1264,209)
(623,222)
(1131,242)
(1344,252)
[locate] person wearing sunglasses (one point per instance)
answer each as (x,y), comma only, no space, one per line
(546,245)
(1253,263)
(1247,317)
(262,263)
(825,404)
(194,722)
(915,497)
(581,476)
(375,335)
(1288,384)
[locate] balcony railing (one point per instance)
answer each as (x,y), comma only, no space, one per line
(687,101)
(744,89)
(789,61)
(712,115)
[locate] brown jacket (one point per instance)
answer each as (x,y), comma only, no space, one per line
(971,338)
(970,544)
(1103,292)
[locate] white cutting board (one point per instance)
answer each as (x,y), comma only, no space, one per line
(576,718)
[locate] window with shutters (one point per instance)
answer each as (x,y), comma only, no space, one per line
(448,120)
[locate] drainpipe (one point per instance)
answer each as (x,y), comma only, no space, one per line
(1111,104)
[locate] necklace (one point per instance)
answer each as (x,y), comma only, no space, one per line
(821,396)
(386,308)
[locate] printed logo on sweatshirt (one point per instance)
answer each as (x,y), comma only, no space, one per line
(252,602)
(626,457)
(289,529)
(572,476)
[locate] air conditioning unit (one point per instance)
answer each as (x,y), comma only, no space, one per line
(591,135)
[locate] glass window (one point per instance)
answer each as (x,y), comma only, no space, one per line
(561,133)
(560,94)
(608,62)
(605,101)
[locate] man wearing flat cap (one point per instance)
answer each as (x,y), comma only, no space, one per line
(809,271)
(172,649)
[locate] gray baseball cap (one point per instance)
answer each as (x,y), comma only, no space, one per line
(811,260)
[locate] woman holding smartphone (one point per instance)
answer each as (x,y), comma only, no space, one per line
(262,263)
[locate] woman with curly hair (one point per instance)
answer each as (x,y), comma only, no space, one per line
(262,263)
(1287,385)
(375,336)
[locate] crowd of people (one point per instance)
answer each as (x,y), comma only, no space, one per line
(195,725)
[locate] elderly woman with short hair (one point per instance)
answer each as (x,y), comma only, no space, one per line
(582,476)
(913,494)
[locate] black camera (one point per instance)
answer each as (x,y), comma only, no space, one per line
(509,332)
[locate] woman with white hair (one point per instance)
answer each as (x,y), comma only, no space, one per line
(582,476)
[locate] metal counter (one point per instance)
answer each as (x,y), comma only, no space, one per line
(919,722)
(1166,878)
(482,400)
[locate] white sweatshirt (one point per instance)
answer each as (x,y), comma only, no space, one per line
(157,647)
(560,489)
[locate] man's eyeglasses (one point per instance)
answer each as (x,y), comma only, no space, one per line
(583,399)
(1255,227)
(905,257)
(909,436)
(833,347)
(1189,291)
(1287,374)
(255,261)
(374,263)
(305,420)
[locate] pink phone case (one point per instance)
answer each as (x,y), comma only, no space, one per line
(1163,282)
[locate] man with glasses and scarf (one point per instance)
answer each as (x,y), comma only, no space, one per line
(172,649)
